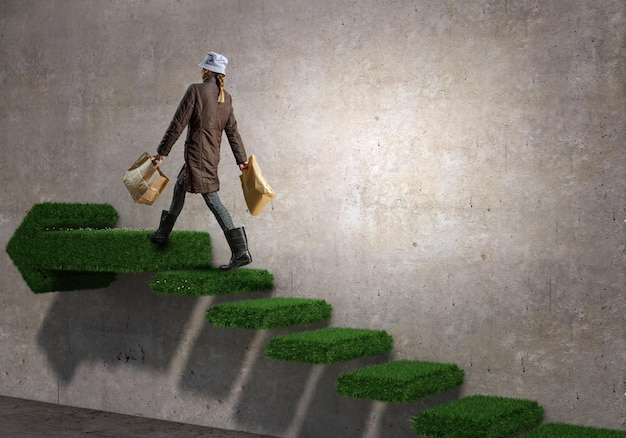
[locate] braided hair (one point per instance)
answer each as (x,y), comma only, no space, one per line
(219,80)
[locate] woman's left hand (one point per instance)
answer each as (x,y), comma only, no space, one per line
(243,166)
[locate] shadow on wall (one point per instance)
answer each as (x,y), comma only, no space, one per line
(219,356)
(214,364)
(129,325)
(309,405)
(395,420)
(277,386)
(353,418)
(125,324)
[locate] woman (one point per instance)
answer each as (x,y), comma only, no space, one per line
(207,110)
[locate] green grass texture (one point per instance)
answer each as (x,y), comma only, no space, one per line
(558,430)
(268,313)
(329,345)
(64,246)
(114,250)
(25,248)
(399,381)
(213,281)
(479,416)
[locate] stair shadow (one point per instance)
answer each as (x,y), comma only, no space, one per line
(396,419)
(303,394)
(274,386)
(214,364)
(125,324)
(342,416)
(272,392)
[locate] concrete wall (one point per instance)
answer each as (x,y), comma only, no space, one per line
(450,171)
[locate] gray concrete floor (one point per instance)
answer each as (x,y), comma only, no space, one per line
(31,419)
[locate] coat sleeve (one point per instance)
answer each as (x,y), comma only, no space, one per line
(234,139)
(178,123)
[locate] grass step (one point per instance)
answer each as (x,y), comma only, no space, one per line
(399,381)
(267,313)
(554,430)
(118,250)
(479,416)
(25,246)
(329,345)
(211,281)
(63,246)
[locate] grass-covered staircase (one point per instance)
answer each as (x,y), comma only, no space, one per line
(74,247)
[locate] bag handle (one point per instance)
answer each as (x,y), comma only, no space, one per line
(156,162)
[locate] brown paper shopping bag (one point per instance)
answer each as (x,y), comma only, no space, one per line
(144,180)
(256,190)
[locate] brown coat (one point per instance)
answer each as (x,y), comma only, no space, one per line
(206,120)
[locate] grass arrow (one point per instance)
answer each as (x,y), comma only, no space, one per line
(63,246)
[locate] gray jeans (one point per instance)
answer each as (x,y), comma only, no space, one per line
(212,201)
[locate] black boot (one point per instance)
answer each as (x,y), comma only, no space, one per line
(161,236)
(238,243)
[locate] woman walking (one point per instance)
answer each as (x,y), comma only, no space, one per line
(207,110)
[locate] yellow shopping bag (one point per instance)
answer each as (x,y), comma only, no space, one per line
(256,190)
(144,180)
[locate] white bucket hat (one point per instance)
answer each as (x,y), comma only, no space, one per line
(215,63)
